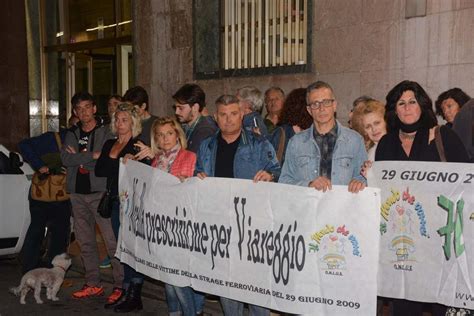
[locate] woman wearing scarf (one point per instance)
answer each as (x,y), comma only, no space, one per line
(411,137)
(412,127)
(168,153)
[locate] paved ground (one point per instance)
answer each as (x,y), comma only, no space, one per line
(153,296)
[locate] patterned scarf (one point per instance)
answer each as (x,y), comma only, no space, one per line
(164,160)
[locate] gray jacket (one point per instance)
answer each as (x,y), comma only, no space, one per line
(73,161)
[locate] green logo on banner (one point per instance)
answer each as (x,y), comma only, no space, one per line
(454,224)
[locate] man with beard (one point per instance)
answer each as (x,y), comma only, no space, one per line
(190,100)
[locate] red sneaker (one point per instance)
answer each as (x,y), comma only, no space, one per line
(116,294)
(88,291)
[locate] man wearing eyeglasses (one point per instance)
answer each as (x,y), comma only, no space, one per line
(327,153)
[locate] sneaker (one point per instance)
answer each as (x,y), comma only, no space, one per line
(105,263)
(88,291)
(116,294)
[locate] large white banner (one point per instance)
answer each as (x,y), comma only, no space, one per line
(289,248)
(427,231)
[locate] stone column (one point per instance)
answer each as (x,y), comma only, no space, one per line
(14,75)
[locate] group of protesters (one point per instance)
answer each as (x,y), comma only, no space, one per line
(299,142)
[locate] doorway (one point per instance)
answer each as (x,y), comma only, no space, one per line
(102,72)
(76,45)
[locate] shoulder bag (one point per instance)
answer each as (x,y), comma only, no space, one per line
(49,187)
(105,205)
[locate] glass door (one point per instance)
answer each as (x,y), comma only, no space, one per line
(104,82)
(94,72)
(83,80)
(76,45)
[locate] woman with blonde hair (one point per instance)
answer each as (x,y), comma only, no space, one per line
(168,153)
(126,126)
(368,120)
(168,149)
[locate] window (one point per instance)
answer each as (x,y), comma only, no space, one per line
(251,37)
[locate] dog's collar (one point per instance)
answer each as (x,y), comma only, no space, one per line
(61,268)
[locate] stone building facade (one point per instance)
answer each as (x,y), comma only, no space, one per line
(358,46)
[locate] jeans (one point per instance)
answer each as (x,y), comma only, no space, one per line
(56,216)
(303,158)
(131,276)
(235,308)
(183,300)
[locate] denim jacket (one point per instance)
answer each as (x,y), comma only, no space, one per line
(253,118)
(254,153)
(303,158)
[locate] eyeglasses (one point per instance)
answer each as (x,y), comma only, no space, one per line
(316,105)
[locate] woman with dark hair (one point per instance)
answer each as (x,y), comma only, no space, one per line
(112,102)
(412,125)
(294,118)
(412,137)
(449,103)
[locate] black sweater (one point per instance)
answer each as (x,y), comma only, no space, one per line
(109,167)
(390,147)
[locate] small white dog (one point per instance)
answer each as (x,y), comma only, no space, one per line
(50,278)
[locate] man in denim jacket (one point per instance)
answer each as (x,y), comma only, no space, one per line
(236,153)
(326,153)
(254,157)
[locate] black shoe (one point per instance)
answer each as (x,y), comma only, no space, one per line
(133,299)
(212,298)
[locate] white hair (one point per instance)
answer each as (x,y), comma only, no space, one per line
(253,96)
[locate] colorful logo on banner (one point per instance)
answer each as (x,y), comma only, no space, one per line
(333,246)
(405,218)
